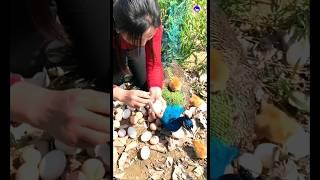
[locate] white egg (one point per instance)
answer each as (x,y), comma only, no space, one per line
(146,136)
(153,127)
(132,132)
(299,144)
(122,133)
(116,124)
(118,117)
(145,153)
(126,114)
(103,152)
(157,106)
(178,134)
(251,163)
(31,155)
(188,113)
(93,169)
(265,152)
(139,115)
(115,135)
(119,111)
(52,165)
(66,148)
(141,121)
(27,171)
(154,140)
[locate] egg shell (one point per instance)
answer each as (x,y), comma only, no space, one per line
(157,106)
(93,169)
(265,152)
(31,155)
(118,117)
(116,124)
(66,148)
(132,132)
(154,140)
(146,136)
(126,114)
(145,152)
(27,171)
(153,127)
(52,165)
(119,111)
(252,163)
(178,134)
(140,121)
(122,133)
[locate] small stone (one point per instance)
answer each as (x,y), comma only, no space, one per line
(118,117)
(133,120)
(178,134)
(116,124)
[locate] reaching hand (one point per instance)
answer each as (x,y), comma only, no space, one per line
(76,117)
(135,98)
(159,115)
(155,93)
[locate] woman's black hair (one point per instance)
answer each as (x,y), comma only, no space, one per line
(133,17)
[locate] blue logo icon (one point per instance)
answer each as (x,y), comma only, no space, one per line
(196,8)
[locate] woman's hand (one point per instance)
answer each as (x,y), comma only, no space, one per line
(133,98)
(155,93)
(76,117)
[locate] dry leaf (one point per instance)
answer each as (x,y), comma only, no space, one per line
(130,146)
(122,160)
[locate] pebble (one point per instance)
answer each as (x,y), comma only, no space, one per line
(145,153)
(146,136)
(122,133)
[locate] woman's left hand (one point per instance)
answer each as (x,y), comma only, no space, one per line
(155,93)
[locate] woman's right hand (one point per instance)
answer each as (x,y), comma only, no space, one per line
(132,98)
(76,117)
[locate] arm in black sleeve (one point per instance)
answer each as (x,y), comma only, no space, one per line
(88,25)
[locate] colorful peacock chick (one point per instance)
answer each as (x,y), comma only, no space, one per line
(172,121)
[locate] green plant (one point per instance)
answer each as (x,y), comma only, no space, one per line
(174,98)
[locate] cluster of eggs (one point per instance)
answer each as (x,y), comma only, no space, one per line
(137,117)
(38,163)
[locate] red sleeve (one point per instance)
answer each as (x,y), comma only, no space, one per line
(154,67)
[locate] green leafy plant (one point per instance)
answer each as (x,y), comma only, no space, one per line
(173,98)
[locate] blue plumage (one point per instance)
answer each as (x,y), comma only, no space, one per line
(172,121)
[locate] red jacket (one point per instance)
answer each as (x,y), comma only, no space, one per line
(154,67)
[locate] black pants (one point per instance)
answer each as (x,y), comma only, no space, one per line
(136,61)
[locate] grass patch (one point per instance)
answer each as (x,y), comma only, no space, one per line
(174,98)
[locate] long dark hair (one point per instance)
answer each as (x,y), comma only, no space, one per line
(45,21)
(133,17)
